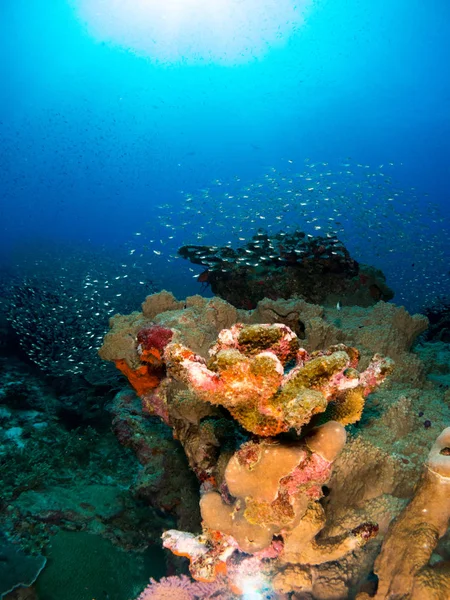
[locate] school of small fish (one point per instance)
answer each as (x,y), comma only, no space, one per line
(60,303)
(398,230)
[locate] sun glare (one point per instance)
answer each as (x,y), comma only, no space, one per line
(194,31)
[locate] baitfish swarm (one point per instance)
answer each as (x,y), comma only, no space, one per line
(318,269)
(281,249)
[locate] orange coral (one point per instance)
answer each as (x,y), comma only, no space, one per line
(143,379)
(149,344)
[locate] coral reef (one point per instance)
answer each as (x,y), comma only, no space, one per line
(282,494)
(318,269)
(264,434)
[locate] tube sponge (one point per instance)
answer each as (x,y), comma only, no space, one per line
(438,460)
(403,564)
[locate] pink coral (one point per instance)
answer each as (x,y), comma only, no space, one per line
(180,588)
(154,403)
(308,476)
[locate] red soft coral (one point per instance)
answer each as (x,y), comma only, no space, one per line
(155,336)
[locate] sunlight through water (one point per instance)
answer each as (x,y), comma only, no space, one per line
(194,31)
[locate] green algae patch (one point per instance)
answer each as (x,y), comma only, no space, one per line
(82,566)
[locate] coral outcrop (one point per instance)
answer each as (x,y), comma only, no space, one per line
(260,401)
(316,268)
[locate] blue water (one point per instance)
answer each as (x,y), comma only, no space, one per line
(96,133)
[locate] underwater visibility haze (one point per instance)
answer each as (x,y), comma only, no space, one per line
(225,299)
